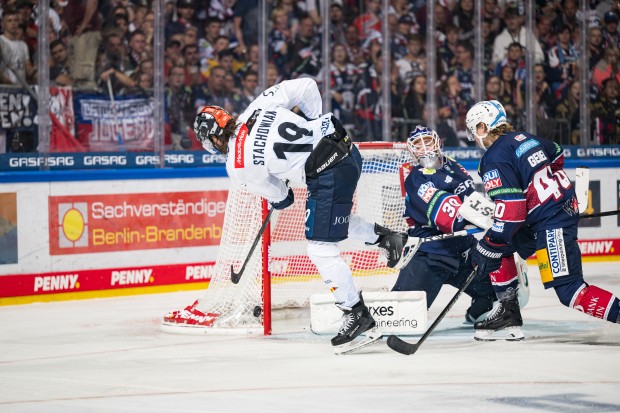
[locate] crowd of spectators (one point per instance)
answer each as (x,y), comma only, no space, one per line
(211,56)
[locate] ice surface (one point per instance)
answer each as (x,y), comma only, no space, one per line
(108,355)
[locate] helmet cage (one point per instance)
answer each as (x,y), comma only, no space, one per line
(425,147)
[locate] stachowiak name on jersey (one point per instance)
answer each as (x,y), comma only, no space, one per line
(271,143)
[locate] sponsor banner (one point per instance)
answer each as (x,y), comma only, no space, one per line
(106,160)
(127,123)
(104,279)
(81,224)
(17,109)
(599,247)
(8,228)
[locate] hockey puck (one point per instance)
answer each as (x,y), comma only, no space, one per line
(257,311)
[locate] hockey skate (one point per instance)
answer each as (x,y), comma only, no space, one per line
(504,323)
(355,321)
(392,242)
(480,309)
(189,317)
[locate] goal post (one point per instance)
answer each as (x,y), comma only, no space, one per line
(279,274)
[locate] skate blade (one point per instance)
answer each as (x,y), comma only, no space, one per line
(505,334)
(371,336)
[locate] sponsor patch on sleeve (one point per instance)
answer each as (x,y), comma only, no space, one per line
(491,180)
(526,146)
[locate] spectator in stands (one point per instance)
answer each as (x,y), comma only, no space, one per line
(463,17)
(190,36)
(447,50)
(415,99)
(15,58)
(543,94)
(595,44)
(510,95)
(249,86)
(606,114)
(400,39)
(568,110)
(514,32)
(368,22)
(464,71)
(214,91)
(137,49)
(569,15)
(515,59)
(172,55)
(280,39)
(83,23)
(245,23)
(273,76)
(344,77)
(179,108)
(606,67)
(206,45)
(251,61)
(193,76)
(562,62)
(305,52)
(610,29)
(494,16)
(492,88)
(112,65)
(117,22)
(294,14)
(148,29)
(60,72)
(353,45)
(452,111)
(185,16)
(414,62)
(544,32)
(337,25)
(221,43)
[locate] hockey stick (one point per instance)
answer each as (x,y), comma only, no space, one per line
(599,214)
(236,276)
(408,349)
(413,243)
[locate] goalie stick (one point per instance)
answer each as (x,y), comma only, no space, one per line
(408,349)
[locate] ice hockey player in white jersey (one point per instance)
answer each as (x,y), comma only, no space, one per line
(269,144)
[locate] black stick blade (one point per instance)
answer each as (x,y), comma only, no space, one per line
(401,346)
(234,277)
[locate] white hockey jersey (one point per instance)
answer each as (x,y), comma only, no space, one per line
(271,143)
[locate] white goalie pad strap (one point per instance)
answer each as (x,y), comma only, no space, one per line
(396,312)
(478,210)
(582,187)
(523,293)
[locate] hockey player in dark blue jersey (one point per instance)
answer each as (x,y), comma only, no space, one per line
(535,211)
(435,189)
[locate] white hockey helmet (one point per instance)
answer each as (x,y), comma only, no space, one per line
(491,113)
(211,120)
(425,147)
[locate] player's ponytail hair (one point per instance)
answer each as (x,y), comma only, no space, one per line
(502,129)
(229,129)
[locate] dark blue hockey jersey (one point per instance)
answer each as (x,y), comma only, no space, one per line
(523,175)
(433,197)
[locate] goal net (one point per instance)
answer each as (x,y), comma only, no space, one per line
(279,273)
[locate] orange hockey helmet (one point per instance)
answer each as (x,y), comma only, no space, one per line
(211,120)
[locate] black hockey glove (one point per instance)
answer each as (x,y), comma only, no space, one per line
(486,257)
(287,202)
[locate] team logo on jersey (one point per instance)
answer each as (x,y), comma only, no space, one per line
(556,249)
(240,147)
(426,191)
(520,138)
(491,180)
(526,146)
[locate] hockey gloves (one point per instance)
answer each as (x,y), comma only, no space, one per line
(286,202)
(486,257)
